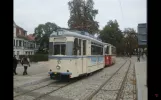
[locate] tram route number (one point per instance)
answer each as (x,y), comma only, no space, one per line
(60,33)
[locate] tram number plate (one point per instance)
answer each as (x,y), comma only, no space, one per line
(55,73)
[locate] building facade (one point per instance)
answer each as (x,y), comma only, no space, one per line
(142,34)
(23,44)
(142,38)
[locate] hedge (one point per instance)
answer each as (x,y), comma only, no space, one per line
(36,57)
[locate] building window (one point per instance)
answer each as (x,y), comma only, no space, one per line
(18,53)
(16,42)
(25,44)
(13,42)
(19,32)
(20,43)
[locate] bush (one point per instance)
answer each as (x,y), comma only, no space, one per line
(36,57)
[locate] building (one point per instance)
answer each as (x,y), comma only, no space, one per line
(23,44)
(142,36)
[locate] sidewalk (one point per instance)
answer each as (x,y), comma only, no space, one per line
(141,79)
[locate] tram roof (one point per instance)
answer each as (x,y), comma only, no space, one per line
(75,33)
(108,44)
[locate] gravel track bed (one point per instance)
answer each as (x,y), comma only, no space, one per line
(129,91)
(85,87)
(115,82)
(111,89)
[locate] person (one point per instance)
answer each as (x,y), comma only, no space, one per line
(26,63)
(138,58)
(15,62)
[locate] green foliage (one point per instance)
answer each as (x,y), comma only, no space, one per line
(42,33)
(125,41)
(36,57)
(113,35)
(130,40)
(82,15)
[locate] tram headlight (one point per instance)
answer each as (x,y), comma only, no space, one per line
(58,66)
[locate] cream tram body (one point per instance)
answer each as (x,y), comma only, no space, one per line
(72,54)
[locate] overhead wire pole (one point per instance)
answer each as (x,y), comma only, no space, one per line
(121,9)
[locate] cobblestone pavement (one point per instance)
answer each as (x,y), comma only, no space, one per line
(21,81)
(36,73)
(35,68)
(83,88)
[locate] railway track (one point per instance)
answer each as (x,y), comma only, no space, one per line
(123,83)
(55,83)
(90,97)
(18,89)
(60,87)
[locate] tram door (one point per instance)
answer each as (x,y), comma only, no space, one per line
(84,58)
(79,61)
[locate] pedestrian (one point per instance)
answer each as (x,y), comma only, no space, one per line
(138,58)
(15,62)
(26,63)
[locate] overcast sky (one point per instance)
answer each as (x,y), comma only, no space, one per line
(30,13)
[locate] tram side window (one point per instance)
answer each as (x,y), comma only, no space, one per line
(75,48)
(101,53)
(96,49)
(84,47)
(80,46)
(99,50)
(93,50)
(107,50)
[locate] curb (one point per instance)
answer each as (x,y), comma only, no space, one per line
(141,91)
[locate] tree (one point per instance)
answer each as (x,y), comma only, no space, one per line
(113,35)
(82,15)
(130,40)
(42,33)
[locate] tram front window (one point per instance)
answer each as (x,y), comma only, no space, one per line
(59,49)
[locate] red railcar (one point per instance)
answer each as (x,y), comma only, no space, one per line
(109,54)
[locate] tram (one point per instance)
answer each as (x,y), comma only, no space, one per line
(75,53)
(110,54)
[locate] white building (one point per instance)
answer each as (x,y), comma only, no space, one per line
(23,44)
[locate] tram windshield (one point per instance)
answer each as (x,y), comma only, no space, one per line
(59,49)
